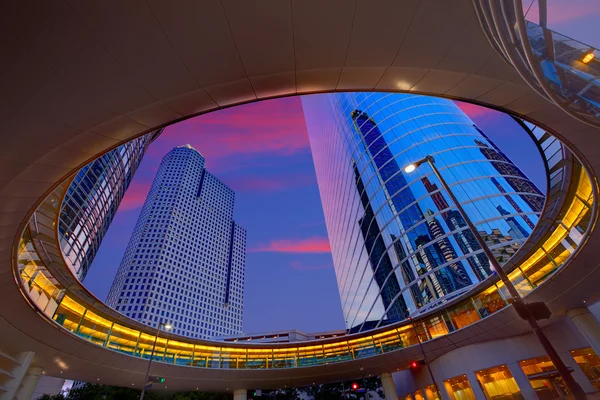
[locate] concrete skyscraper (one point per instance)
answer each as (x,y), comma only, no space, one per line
(185,261)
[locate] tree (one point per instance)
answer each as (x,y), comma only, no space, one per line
(342,390)
(287,394)
(91,391)
(201,396)
(59,396)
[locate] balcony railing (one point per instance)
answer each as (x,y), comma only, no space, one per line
(564,70)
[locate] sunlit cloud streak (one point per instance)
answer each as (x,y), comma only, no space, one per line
(310,245)
(474,111)
(135,196)
(273,128)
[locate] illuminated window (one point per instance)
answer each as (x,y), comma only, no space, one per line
(431,393)
(544,378)
(458,388)
(498,383)
(419,395)
(589,362)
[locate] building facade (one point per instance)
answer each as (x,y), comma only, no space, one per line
(92,200)
(284,336)
(399,245)
(185,261)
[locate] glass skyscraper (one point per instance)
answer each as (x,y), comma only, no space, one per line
(185,261)
(399,245)
(92,200)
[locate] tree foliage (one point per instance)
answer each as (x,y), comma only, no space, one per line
(329,391)
(91,391)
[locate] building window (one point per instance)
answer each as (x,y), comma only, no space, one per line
(589,362)
(498,383)
(544,378)
(458,388)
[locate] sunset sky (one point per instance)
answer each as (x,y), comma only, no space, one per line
(262,152)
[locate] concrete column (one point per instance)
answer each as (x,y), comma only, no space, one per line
(475,385)
(445,391)
(522,381)
(587,325)
(389,388)
(29,383)
(240,394)
(429,393)
(18,373)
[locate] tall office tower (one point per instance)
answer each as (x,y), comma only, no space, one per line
(92,199)
(399,245)
(185,261)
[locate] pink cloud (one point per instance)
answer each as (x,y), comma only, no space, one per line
(310,245)
(297,265)
(562,11)
(274,127)
(135,196)
(475,111)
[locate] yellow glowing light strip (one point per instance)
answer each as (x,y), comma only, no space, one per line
(97,328)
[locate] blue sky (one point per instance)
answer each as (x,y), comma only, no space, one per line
(262,152)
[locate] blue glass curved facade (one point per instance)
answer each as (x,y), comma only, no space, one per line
(398,244)
(92,199)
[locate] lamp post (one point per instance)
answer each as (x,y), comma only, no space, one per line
(167,327)
(518,302)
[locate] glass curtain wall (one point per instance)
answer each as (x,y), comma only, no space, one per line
(400,247)
(92,199)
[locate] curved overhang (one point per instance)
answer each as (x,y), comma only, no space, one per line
(78,81)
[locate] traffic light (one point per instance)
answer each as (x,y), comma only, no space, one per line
(355,386)
(417,363)
(157,379)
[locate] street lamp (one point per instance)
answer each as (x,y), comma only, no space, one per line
(518,303)
(167,326)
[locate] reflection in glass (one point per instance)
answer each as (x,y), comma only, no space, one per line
(400,247)
(92,199)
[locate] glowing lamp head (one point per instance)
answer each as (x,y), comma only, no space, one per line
(410,168)
(354,386)
(589,56)
(168,326)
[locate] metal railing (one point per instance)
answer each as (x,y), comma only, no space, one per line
(561,69)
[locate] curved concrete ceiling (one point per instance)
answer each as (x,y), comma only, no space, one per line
(79,77)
